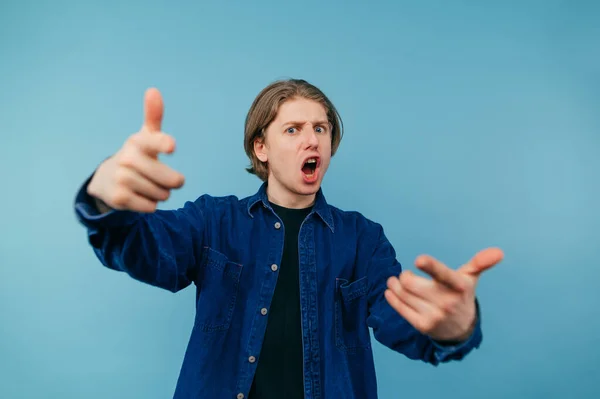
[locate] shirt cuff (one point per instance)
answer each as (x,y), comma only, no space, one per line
(445,350)
(88,214)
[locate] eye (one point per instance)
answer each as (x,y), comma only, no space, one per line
(321,129)
(291,130)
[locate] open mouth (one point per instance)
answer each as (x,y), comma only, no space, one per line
(310,167)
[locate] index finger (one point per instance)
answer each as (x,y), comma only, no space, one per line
(153,144)
(153,110)
(440,272)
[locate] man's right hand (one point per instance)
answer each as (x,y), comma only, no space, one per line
(134,179)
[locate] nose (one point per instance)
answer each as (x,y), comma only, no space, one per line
(312,141)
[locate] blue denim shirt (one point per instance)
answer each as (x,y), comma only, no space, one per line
(230,249)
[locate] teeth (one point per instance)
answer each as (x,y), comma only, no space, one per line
(311,161)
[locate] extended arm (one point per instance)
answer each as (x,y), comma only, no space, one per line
(159,248)
(409,332)
(118,206)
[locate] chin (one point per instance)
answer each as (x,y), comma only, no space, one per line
(304,188)
(308,190)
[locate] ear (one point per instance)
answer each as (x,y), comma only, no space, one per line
(260,149)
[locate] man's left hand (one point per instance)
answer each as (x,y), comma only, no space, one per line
(443,307)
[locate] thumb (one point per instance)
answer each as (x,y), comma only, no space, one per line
(153,110)
(482,261)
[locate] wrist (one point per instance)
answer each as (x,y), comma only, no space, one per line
(92,191)
(465,336)
(461,336)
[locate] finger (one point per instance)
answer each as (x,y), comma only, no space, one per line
(153,110)
(419,304)
(482,261)
(441,273)
(140,185)
(154,144)
(394,284)
(417,285)
(158,173)
(140,204)
(409,314)
(127,199)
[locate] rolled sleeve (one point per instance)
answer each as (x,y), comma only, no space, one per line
(89,216)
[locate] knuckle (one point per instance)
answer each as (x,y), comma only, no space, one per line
(404,277)
(400,293)
(448,306)
(135,139)
(164,195)
(446,275)
(122,177)
(151,206)
(127,158)
(408,282)
(139,142)
(428,325)
(120,198)
(437,318)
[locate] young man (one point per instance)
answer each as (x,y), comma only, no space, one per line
(287,285)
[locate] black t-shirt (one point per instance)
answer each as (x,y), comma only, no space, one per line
(279,373)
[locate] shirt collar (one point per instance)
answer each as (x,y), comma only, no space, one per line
(320,206)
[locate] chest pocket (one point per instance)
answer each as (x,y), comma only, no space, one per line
(351,330)
(218,286)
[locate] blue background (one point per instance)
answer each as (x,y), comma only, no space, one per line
(468,124)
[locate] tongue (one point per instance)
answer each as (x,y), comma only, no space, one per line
(307,169)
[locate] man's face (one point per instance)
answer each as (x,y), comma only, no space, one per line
(297,148)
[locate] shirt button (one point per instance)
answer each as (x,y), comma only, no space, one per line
(274,267)
(240,396)
(263,311)
(251,359)
(277,225)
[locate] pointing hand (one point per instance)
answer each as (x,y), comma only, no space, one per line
(134,179)
(442,307)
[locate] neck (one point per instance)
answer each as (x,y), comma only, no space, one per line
(287,199)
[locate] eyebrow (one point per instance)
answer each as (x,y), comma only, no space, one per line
(297,123)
